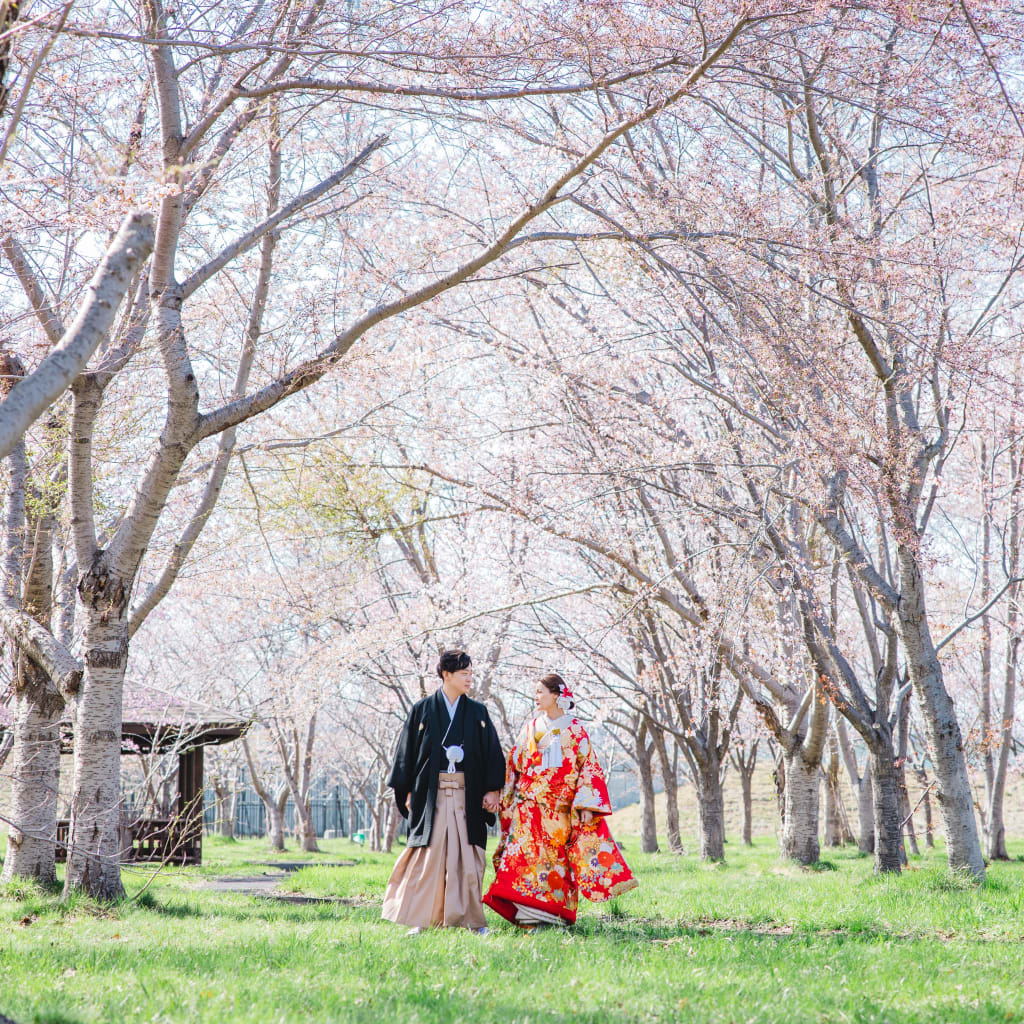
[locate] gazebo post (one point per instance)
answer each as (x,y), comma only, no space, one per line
(190,805)
(156,721)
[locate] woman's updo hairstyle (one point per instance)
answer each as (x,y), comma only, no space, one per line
(555,684)
(453,661)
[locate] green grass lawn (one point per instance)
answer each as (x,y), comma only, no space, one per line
(751,940)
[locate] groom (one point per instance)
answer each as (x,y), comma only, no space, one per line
(447,776)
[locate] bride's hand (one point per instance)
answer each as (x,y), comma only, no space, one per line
(586,817)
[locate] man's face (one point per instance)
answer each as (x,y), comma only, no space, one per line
(460,682)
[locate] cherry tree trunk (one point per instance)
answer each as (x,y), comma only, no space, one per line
(226,797)
(675,842)
(711,810)
(929,825)
(866,811)
(799,840)
(34,773)
(906,812)
(668,775)
(997,828)
(746,785)
(996,825)
(648,824)
(94,853)
(779,778)
(885,794)
(834,831)
(275,824)
(31,752)
(377,832)
(953,787)
(305,830)
(394,819)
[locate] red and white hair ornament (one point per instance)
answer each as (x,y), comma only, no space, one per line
(564,700)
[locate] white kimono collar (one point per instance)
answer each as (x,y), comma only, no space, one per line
(562,722)
(548,743)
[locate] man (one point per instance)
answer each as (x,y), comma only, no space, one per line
(448,773)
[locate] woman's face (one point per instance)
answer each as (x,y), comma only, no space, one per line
(546,701)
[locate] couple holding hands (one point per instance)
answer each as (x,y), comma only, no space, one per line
(451,779)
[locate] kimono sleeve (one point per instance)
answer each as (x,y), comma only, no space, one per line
(513,768)
(403,768)
(591,789)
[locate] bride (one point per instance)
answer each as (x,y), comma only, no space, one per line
(555,843)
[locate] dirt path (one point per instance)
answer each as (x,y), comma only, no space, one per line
(264,885)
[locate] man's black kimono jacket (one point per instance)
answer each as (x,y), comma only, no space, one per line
(419,757)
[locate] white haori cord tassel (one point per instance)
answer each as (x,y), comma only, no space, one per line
(454,753)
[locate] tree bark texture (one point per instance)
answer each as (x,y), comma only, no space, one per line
(861,784)
(668,775)
(779,780)
(885,796)
(866,811)
(929,824)
(953,788)
(94,854)
(275,819)
(394,819)
(994,812)
(226,795)
(994,817)
(33,751)
(304,828)
(711,811)
(648,824)
(34,773)
(906,811)
(744,760)
(799,839)
(836,829)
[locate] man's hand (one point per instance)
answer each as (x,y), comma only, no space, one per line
(408,803)
(492,801)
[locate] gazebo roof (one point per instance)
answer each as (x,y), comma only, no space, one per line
(152,718)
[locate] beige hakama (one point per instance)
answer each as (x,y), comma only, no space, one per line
(440,885)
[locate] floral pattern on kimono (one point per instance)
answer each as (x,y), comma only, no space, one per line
(546,856)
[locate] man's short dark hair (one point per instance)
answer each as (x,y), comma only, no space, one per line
(453,661)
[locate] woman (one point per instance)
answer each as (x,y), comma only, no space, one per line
(555,843)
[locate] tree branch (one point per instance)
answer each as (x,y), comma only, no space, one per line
(33,289)
(978,614)
(30,396)
(433,92)
(250,238)
(64,670)
(314,369)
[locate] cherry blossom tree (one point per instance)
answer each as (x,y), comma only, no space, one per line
(834,349)
(205,117)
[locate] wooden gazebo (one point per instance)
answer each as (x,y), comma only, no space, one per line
(153,720)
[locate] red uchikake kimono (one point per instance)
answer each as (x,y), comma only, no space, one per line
(546,856)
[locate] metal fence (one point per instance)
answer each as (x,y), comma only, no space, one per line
(333,810)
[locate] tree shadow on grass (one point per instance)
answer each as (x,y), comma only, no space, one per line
(441,1007)
(53,1017)
(667,932)
(251,908)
